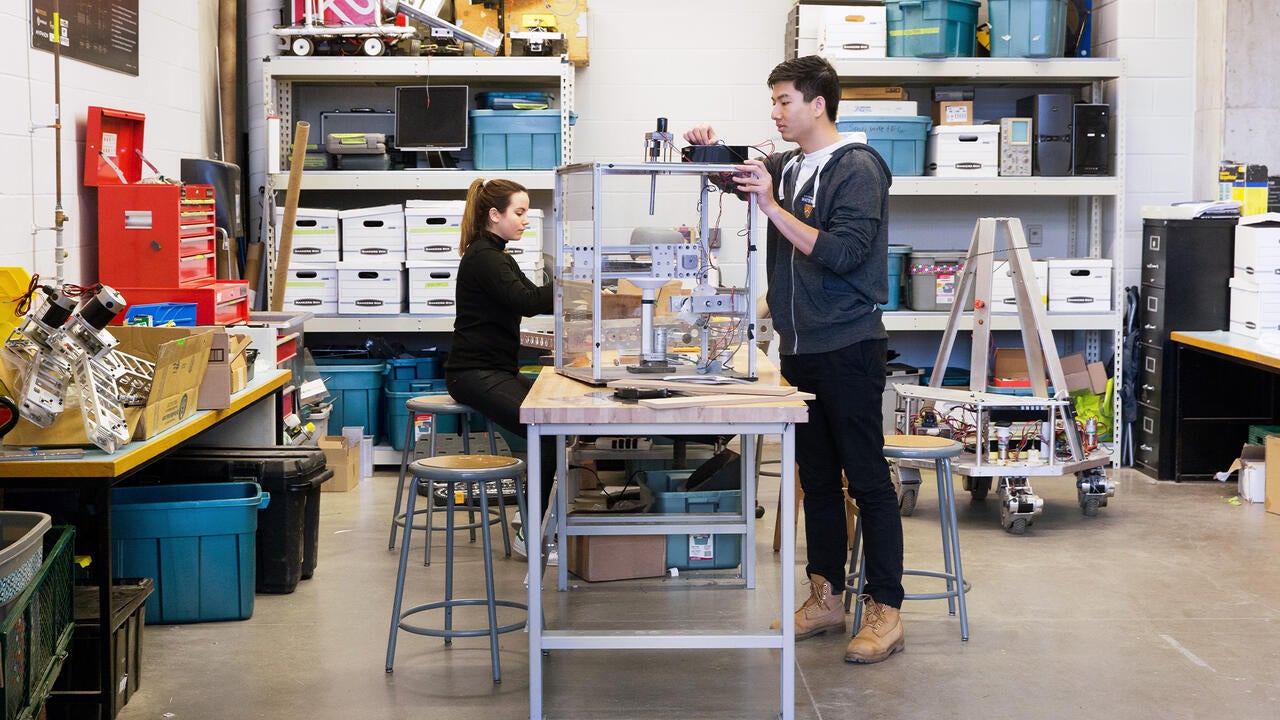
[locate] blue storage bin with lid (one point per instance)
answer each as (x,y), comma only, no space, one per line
(900,140)
(897,275)
(356,387)
(515,139)
(1028,28)
(932,28)
(197,542)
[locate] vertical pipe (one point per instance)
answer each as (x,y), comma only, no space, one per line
(59,217)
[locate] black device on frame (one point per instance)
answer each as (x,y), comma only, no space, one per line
(432,117)
(1090,139)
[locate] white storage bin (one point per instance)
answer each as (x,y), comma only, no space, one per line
(367,288)
(1002,297)
(963,151)
(312,288)
(1080,285)
(375,233)
(531,266)
(433,229)
(315,235)
(1257,251)
(853,33)
(811,23)
(1255,309)
(432,288)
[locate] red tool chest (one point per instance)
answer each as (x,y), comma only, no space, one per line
(154,236)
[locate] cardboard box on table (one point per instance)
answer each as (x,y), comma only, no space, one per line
(181,356)
(227,373)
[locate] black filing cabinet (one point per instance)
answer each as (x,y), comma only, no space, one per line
(1185,268)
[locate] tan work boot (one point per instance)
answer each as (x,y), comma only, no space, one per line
(819,613)
(880,635)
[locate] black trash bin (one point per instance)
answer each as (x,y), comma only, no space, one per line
(289,527)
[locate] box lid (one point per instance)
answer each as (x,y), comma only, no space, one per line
(992,130)
(310,212)
(444,206)
(114,135)
(371,211)
(1263,220)
(374,264)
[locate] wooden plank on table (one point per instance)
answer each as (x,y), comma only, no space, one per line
(674,403)
(694,388)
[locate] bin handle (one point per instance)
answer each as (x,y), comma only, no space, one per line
(265,501)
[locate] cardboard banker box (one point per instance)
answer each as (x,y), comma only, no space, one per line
(181,356)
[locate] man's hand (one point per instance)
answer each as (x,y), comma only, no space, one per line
(752,178)
(701,135)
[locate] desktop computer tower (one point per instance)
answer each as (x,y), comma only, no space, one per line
(1091,139)
(1051,122)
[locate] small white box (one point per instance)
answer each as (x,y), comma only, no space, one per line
(368,288)
(900,108)
(1257,253)
(374,233)
(812,21)
(963,151)
(1080,285)
(1252,480)
(433,288)
(1002,298)
(312,288)
(315,235)
(433,229)
(1255,309)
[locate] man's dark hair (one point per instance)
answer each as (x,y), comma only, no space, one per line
(813,76)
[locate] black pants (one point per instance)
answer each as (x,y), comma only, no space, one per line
(498,394)
(844,432)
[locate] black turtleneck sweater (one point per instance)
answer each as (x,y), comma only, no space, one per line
(492,295)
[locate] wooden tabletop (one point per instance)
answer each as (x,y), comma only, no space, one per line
(97,464)
(559,399)
(1230,344)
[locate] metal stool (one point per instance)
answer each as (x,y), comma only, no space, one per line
(454,469)
(439,404)
(941,451)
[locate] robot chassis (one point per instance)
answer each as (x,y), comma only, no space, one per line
(1019,505)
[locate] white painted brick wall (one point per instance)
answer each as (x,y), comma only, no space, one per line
(175,89)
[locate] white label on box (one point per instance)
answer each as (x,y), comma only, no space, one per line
(957,114)
(702,547)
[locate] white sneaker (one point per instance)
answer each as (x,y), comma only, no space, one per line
(517,542)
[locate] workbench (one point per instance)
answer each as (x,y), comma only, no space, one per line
(252,418)
(1223,382)
(563,407)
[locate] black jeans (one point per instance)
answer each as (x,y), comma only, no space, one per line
(844,432)
(498,394)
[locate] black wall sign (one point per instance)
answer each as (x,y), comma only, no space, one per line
(99,32)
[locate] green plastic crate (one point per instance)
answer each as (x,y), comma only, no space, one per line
(37,630)
(1258,433)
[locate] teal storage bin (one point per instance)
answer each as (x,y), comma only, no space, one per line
(356,387)
(1028,28)
(397,414)
(701,552)
(897,275)
(932,28)
(515,139)
(426,367)
(900,140)
(196,542)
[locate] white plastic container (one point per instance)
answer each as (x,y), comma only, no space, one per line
(1255,308)
(315,235)
(852,33)
(1257,249)
(432,288)
(1003,300)
(312,288)
(433,229)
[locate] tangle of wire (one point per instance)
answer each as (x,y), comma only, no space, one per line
(23,302)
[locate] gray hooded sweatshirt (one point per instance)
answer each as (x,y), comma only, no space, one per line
(826,300)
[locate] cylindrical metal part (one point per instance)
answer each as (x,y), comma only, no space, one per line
(102,308)
(59,308)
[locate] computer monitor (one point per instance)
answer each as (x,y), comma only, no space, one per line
(432,117)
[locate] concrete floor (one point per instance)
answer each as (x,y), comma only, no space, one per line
(1166,605)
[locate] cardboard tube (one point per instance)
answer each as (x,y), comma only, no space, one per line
(284,248)
(253,269)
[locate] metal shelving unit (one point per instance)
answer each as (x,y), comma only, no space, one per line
(1096,79)
(281,76)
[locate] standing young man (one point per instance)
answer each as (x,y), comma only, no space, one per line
(827,262)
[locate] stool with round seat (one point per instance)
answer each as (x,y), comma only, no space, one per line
(438,405)
(454,470)
(941,451)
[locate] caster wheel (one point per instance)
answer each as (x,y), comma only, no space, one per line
(907,501)
(1018,526)
(373,47)
(302,47)
(978,488)
(759,511)
(1090,507)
